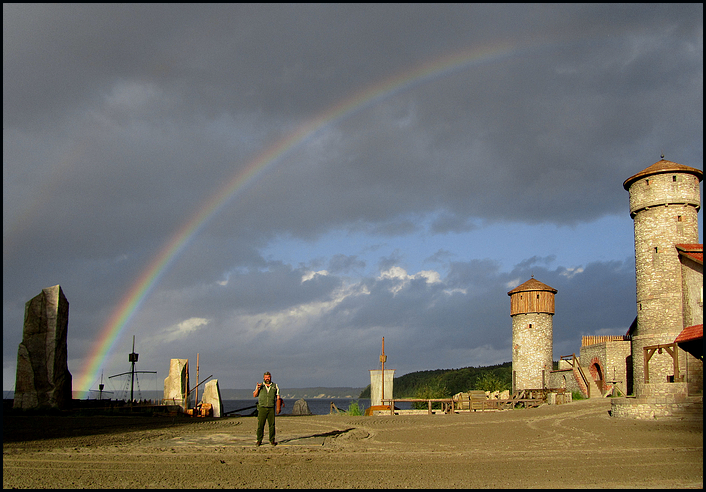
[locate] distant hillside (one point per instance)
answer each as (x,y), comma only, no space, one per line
(296,393)
(443,383)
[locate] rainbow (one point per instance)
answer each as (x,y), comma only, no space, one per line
(139,291)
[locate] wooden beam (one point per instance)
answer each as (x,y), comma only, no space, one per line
(649,351)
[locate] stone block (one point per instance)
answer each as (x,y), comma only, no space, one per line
(301,407)
(43,379)
(176,385)
(212,396)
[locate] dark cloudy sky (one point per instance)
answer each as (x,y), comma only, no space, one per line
(407,216)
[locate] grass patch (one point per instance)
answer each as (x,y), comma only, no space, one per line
(354,409)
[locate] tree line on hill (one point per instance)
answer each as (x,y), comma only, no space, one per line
(444,383)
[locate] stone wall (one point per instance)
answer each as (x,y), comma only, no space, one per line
(659,401)
(692,276)
(695,375)
(612,358)
(564,378)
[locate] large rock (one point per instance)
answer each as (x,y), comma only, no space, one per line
(301,407)
(212,395)
(176,385)
(43,379)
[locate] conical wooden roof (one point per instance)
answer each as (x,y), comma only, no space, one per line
(532,285)
(660,167)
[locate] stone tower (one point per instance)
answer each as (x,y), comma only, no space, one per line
(664,203)
(532,310)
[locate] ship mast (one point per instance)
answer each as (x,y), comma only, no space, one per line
(133,358)
(100,388)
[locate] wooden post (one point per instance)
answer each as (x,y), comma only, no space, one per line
(646,356)
(197,381)
(185,398)
(383,358)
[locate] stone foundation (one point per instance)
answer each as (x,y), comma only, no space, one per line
(659,401)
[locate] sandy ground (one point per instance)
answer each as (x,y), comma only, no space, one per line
(569,446)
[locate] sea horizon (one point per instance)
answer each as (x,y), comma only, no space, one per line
(316,392)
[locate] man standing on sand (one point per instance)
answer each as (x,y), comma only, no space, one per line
(266,407)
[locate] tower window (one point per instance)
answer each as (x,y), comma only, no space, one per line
(679,218)
(656,249)
(647,182)
(530,326)
(537,296)
(674,178)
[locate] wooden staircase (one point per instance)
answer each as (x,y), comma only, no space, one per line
(587,385)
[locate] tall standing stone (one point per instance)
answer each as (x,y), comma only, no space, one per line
(43,379)
(176,385)
(212,395)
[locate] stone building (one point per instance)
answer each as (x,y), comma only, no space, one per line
(658,364)
(664,203)
(532,310)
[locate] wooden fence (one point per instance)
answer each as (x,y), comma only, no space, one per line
(590,340)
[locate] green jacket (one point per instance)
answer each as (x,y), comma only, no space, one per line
(268,398)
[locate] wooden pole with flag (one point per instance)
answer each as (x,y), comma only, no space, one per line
(383,358)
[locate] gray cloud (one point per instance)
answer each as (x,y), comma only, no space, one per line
(121,122)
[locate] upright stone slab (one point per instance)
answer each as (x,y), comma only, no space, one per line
(376,395)
(176,385)
(301,407)
(212,395)
(43,379)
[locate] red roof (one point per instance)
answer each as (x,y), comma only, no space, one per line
(691,333)
(663,166)
(532,285)
(693,251)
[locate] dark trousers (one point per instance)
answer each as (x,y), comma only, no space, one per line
(265,413)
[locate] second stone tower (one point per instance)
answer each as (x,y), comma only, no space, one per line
(532,310)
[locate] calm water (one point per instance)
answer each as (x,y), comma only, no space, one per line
(318,406)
